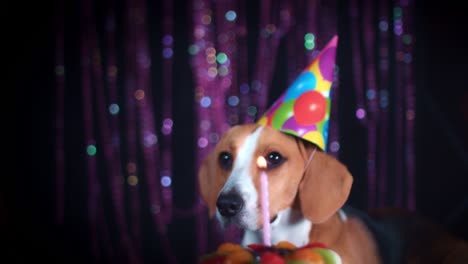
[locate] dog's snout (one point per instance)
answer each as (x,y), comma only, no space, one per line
(229,204)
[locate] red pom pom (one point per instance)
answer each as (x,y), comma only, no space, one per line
(272,258)
(258,247)
(315,245)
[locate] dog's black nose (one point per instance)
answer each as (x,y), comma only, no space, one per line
(229,204)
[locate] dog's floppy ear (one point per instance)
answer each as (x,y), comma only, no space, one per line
(325,187)
(206,182)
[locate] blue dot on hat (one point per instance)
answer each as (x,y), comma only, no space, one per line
(305,82)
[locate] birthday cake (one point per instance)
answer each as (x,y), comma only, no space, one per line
(282,253)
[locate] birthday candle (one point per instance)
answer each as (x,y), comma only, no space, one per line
(262,164)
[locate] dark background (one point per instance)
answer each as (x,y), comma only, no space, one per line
(441,141)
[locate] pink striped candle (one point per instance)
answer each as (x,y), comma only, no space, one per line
(262,164)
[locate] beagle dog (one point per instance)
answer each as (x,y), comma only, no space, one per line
(307,190)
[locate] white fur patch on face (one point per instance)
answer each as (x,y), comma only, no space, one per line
(290,225)
(241,182)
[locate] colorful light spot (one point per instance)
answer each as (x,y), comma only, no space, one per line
(202,142)
(309,41)
(205,101)
(193,49)
(221,57)
(167,53)
(206,19)
(383,25)
(114,109)
(230,15)
(233,100)
(91,150)
(360,113)
(334,146)
(252,110)
(139,94)
(150,139)
(131,167)
(166,181)
(167,40)
(132,180)
(223,70)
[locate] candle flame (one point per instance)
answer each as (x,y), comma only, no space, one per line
(261,162)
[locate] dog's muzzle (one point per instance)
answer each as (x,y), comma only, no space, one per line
(229,204)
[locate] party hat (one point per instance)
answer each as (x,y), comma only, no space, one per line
(303,110)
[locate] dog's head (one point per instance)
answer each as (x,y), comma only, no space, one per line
(229,177)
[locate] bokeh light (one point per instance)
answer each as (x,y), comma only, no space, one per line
(91,150)
(360,113)
(270,28)
(223,70)
(233,119)
(199,32)
(206,19)
(231,15)
(233,100)
(112,71)
(202,142)
(167,126)
(167,53)
(407,58)
(370,94)
(397,12)
(213,138)
(212,72)
(252,110)
(139,94)
(210,51)
(205,101)
(166,181)
(193,49)
(244,88)
(398,27)
(257,85)
(205,125)
(131,167)
(211,59)
(114,109)
(167,40)
(221,57)
(407,39)
(150,139)
(309,41)
(334,146)
(226,82)
(383,25)
(383,102)
(132,180)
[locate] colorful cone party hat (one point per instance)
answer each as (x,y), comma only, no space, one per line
(304,109)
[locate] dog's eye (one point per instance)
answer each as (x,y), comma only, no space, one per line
(274,159)
(225,160)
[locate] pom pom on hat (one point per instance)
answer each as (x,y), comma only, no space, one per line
(303,110)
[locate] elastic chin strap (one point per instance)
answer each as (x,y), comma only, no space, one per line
(309,160)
